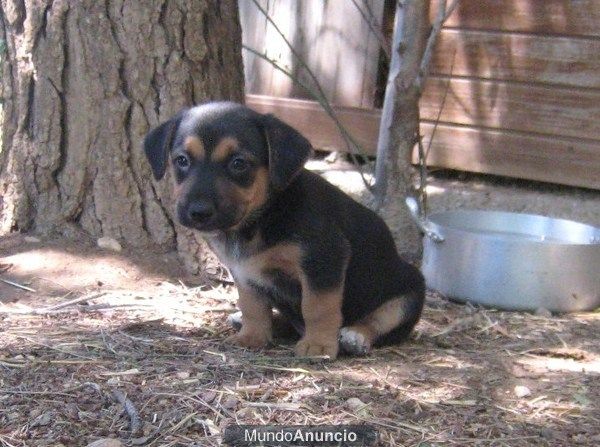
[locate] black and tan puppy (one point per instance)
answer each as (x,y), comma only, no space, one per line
(291,240)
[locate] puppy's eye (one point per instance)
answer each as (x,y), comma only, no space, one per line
(238,165)
(182,162)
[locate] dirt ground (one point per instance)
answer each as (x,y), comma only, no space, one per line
(139,357)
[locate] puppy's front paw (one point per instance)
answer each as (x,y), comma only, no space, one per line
(308,347)
(248,339)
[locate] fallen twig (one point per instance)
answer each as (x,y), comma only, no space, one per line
(158,434)
(38,393)
(11,365)
(17,285)
(284,406)
(387,423)
(22,364)
(134,419)
(71,302)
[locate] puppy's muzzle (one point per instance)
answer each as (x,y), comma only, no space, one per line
(200,213)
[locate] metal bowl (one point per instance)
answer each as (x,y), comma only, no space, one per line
(512,261)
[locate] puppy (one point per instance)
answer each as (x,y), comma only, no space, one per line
(292,241)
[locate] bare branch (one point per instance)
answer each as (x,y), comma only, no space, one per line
(319,98)
(442,15)
(352,145)
(450,9)
(442,103)
(374,26)
(422,191)
(423,154)
(297,56)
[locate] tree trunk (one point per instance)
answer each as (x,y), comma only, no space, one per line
(82,83)
(403,131)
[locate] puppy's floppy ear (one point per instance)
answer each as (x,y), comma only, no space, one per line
(157,145)
(288,151)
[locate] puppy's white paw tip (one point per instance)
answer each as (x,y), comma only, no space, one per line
(235,320)
(353,342)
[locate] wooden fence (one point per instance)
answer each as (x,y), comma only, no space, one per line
(514,87)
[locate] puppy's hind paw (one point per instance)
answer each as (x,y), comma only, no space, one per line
(354,342)
(235,320)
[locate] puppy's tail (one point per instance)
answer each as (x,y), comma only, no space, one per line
(411,309)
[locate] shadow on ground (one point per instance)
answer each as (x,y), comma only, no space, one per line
(63,268)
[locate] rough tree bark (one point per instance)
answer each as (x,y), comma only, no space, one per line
(395,174)
(82,82)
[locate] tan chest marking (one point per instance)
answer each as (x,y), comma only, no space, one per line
(283,257)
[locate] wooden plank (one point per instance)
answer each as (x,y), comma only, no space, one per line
(568,17)
(311,120)
(526,58)
(568,161)
(331,37)
(556,160)
(528,108)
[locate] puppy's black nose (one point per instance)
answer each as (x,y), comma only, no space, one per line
(200,212)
